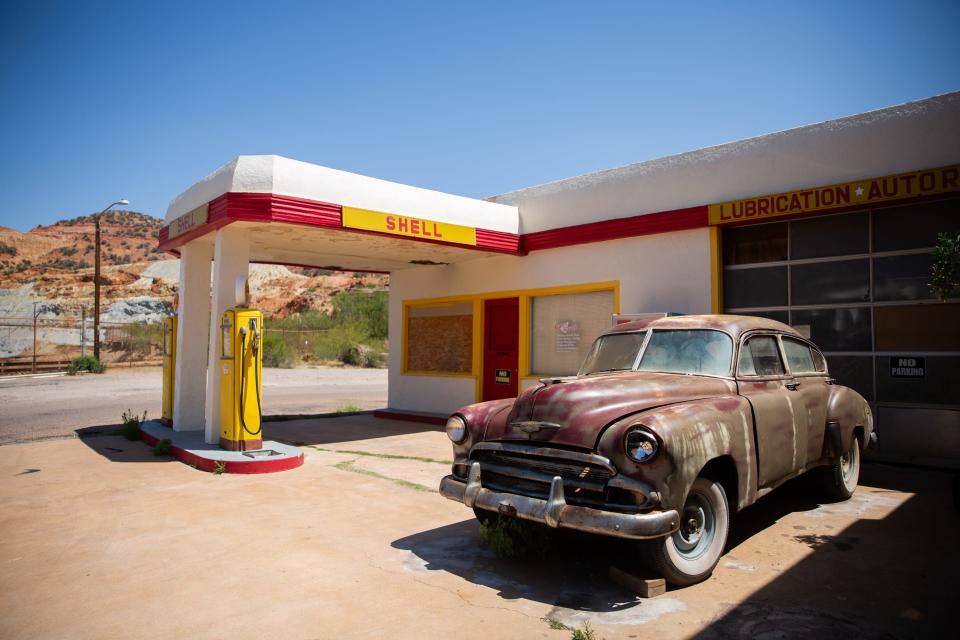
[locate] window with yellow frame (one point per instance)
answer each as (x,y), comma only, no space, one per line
(439,338)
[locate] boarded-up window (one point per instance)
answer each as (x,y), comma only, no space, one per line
(440,338)
(563,327)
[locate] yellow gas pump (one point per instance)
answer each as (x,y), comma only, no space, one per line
(169,368)
(241,369)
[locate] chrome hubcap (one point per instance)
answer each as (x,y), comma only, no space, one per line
(697,527)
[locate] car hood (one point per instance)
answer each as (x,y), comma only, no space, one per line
(574,412)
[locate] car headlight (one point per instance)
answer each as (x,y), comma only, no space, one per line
(456,429)
(641,445)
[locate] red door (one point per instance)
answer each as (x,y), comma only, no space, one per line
(501,337)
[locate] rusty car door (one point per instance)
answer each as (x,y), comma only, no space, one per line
(810,374)
(778,413)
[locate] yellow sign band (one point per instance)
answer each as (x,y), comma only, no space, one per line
(408,226)
(868,192)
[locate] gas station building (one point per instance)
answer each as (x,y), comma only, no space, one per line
(827,227)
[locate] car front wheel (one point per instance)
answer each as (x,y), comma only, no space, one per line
(689,554)
(840,479)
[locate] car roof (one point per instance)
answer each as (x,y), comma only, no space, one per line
(734,325)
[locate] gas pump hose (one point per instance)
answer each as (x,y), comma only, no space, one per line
(243,387)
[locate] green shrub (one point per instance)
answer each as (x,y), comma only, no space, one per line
(276,352)
(514,538)
(131,425)
(162,448)
(85,363)
(338,344)
(945,270)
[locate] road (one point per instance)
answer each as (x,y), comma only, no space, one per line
(39,408)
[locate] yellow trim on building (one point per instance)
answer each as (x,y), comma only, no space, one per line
(477,299)
(716,269)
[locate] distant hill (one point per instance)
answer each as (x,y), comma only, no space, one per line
(67,245)
(54,265)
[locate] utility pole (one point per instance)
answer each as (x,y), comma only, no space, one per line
(83,330)
(35,314)
(96,279)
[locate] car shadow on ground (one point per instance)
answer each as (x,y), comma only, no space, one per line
(875,578)
(332,429)
(571,576)
(105,441)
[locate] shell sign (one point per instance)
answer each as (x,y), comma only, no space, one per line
(930,182)
(408,226)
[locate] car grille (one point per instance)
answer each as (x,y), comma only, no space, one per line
(585,473)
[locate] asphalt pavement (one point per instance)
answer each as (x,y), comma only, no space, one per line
(52,407)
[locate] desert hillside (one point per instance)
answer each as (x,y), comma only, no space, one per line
(53,266)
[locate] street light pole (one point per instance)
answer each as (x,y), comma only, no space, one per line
(96,279)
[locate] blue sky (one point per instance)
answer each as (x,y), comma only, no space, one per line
(104,100)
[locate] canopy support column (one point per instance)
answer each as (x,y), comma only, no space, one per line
(231,259)
(191,363)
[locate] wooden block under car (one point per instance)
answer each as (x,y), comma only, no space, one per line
(643,587)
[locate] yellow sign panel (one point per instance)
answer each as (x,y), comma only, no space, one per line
(188,221)
(408,226)
(930,182)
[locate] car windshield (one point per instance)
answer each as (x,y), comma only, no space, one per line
(614,352)
(688,351)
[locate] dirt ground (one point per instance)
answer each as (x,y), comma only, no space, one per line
(102,540)
(72,402)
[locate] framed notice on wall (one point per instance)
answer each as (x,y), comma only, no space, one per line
(567,335)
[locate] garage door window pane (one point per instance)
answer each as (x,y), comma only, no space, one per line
(440,338)
(831,282)
(855,372)
(919,327)
(830,236)
(914,226)
(762,243)
(760,287)
(937,386)
(902,278)
(563,328)
(836,329)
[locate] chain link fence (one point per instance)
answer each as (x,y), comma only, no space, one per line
(36,344)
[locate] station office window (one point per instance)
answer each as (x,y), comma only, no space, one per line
(562,328)
(440,338)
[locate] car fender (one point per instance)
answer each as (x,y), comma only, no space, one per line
(692,434)
(849,410)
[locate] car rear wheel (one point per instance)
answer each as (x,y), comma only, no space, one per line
(689,554)
(840,479)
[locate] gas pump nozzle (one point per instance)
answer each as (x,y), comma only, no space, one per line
(256,335)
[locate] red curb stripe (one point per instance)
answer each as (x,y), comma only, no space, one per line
(230,466)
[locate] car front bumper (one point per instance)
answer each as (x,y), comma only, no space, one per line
(555,512)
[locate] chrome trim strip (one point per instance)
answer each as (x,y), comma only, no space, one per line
(547,452)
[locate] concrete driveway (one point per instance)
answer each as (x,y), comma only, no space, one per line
(102,540)
(52,407)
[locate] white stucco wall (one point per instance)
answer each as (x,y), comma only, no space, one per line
(665,272)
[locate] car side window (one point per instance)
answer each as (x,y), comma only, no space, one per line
(819,361)
(760,356)
(799,356)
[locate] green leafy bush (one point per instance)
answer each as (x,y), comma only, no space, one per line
(945,272)
(162,448)
(85,363)
(514,538)
(131,425)
(276,352)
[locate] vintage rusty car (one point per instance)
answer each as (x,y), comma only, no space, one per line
(669,427)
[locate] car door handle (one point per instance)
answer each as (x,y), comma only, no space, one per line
(793,386)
